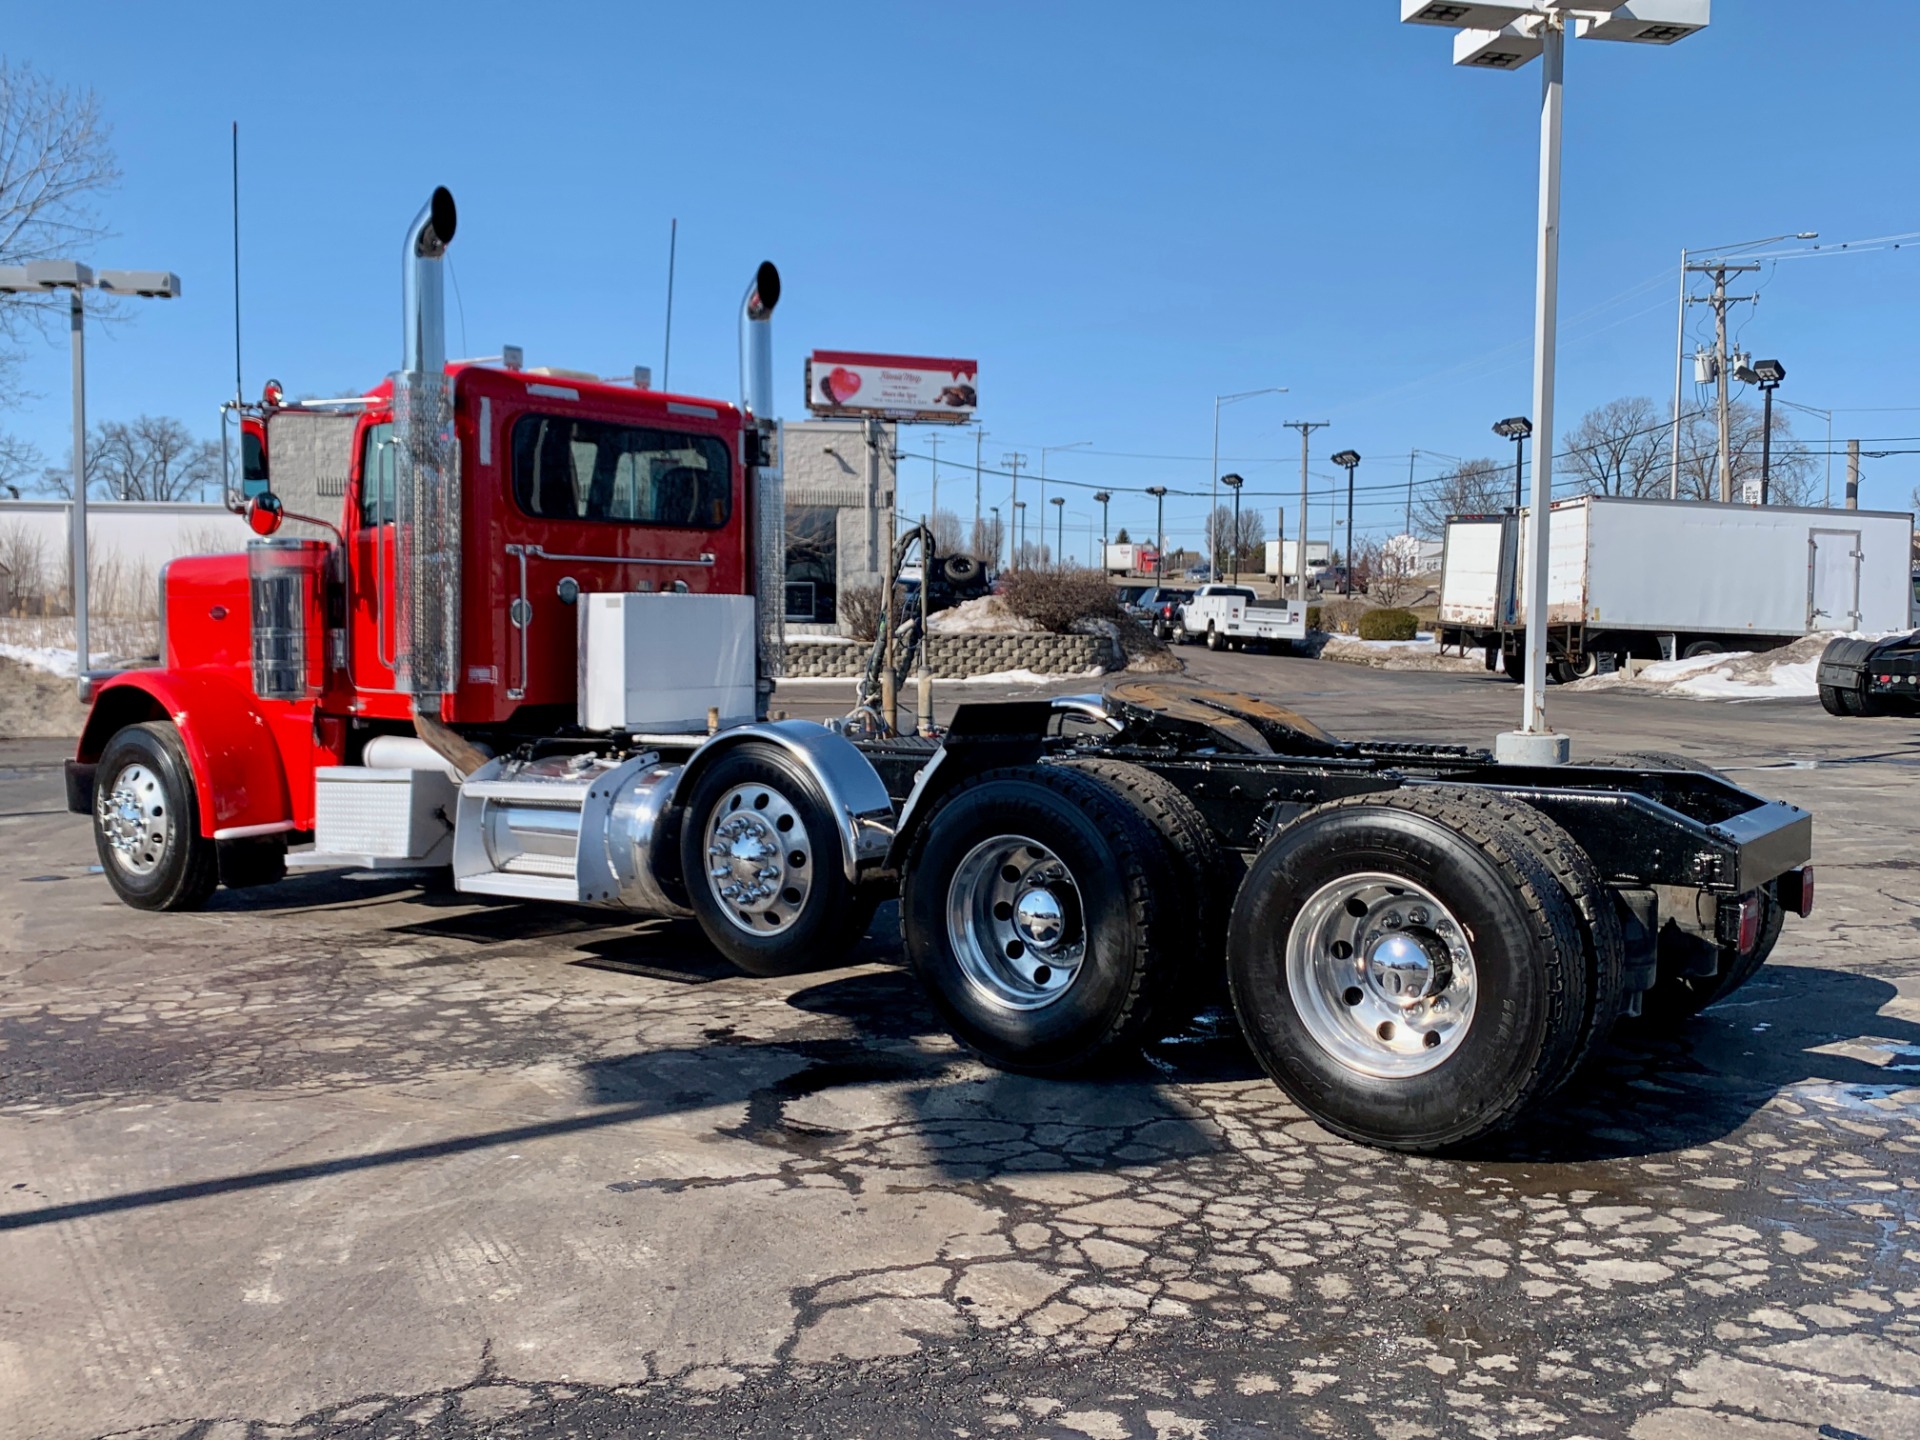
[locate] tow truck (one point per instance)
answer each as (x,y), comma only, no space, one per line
(524,627)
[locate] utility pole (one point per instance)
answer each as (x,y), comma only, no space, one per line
(1853,474)
(1159,493)
(1013,460)
(933,500)
(1720,300)
(1306,429)
(1412,455)
(979,434)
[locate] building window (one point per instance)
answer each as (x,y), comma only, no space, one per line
(813,551)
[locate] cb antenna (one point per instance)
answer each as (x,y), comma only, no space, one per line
(238,384)
(666,358)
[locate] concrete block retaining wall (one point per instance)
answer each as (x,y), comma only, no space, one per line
(954,657)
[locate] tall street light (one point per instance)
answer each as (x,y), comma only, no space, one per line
(1159,493)
(995,510)
(1767,374)
(1680,333)
(1348,460)
(1019,530)
(1233,483)
(1213,504)
(1506,36)
(1103,497)
(1059,503)
(73,277)
(1516,429)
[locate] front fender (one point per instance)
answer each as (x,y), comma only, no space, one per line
(237,772)
(862,809)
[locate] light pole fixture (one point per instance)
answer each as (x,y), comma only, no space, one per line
(1233,483)
(1213,503)
(1103,497)
(1046,450)
(41,277)
(1059,503)
(994,510)
(1516,429)
(1767,374)
(1019,530)
(1159,493)
(1506,36)
(1348,460)
(1680,332)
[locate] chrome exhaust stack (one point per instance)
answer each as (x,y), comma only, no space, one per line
(768,494)
(426,622)
(756,342)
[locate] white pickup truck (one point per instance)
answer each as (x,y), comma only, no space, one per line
(1232,617)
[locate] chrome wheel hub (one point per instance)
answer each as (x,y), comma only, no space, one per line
(1382,975)
(134,817)
(759,859)
(1015,922)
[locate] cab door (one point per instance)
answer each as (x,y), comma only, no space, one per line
(372,580)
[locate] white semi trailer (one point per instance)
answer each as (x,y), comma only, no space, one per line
(1662,579)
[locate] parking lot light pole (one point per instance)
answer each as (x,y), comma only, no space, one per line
(1767,374)
(1159,493)
(1348,460)
(1019,530)
(1213,502)
(1506,36)
(1103,497)
(1059,503)
(1516,429)
(1233,483)
(39,278)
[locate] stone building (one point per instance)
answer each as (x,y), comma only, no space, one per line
(840,484)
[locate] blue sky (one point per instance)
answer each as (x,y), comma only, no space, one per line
(1121,210)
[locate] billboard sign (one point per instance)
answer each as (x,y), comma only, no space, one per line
(892,387)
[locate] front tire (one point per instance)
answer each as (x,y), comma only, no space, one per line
(1408,970)
(146,822)
(760,858)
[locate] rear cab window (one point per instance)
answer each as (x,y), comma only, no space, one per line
(572,468)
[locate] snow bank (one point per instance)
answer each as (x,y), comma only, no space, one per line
(1788,673)
(983,616)
(50,658)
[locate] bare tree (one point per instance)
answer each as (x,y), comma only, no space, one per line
(949,535)
(152,458)
(1792,468)
(19,463)
(1393,569)
(1473,487)
(1237,549)
(989,539)
(54,161)
(1620,449)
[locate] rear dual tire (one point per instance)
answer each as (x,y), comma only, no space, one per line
(1417,970)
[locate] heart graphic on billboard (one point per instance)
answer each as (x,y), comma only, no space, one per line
(841,385)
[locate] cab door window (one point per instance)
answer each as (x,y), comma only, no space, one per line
(377,476)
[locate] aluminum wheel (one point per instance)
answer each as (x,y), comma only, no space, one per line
(759,859)
(1382,975)
(1016,923)
(135,819)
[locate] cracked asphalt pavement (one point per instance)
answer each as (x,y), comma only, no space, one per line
(349,1157)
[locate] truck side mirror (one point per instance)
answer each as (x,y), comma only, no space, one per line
(264,513)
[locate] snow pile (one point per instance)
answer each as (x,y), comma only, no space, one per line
(984,616)
(1420,653)
(1788,673)
(50,658)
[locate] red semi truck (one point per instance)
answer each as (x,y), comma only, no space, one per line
(524,626)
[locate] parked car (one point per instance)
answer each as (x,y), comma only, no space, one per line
(1161,606)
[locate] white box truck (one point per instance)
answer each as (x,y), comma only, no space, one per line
(1319,556)
(1664,579)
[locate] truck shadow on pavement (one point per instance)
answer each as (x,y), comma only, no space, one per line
(896,1092)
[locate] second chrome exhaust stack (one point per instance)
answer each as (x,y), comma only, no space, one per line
(756,342)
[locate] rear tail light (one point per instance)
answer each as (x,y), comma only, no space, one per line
(1752,906)
(1796,891)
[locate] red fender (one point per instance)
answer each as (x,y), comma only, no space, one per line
(237,770)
